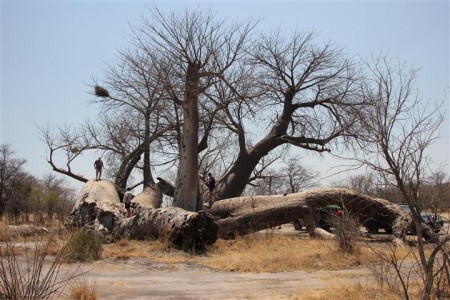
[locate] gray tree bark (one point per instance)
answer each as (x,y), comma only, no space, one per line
(99,210)
(184,230)
(243,215)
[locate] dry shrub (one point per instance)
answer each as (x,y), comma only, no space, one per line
(82,290)
(397,269)
(28,276)
(347,232)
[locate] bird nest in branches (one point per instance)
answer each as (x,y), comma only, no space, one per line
(101,92)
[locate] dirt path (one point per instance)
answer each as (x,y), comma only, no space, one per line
(142,279)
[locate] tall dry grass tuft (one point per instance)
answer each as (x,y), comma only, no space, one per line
(82,290)
(4,236)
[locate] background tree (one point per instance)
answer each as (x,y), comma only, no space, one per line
(298,177)
(133,92)
(397,136)
(436,193)
(289,177)
(11,171)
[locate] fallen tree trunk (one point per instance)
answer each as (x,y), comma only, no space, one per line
(25,230)
(185,230)
(99,210)
(243,215)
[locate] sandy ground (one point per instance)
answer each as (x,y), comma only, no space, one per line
(144,279)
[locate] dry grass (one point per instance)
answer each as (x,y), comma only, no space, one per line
(344,291)
(154,250)
(4,234)
(82,290)
(253,253)
(276,253)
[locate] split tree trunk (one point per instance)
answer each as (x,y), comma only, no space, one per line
(99,210)
(184,230)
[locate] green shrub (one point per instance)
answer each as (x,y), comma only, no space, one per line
(84,247)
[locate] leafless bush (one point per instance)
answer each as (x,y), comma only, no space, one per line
(28,276)
(347,232)
(391,270)
(442,279)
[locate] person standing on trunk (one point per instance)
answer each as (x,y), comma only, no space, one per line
(98,165)
(211,184)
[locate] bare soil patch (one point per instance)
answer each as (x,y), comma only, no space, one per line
(143,279)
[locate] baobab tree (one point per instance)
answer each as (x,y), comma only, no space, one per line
(309,101)
(196,51)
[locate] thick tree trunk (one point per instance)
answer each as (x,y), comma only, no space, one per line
(244,215)
(235,181)
(188,231)
(187,189)
(127,167)
(98,209)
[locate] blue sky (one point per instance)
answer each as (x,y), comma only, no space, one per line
(50,51)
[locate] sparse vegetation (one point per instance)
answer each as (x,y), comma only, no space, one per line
(254,253)
(347,232)
(83,247)
(82,289)
(344,291)
(29,274)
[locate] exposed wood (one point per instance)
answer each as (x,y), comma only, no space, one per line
(99,209)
